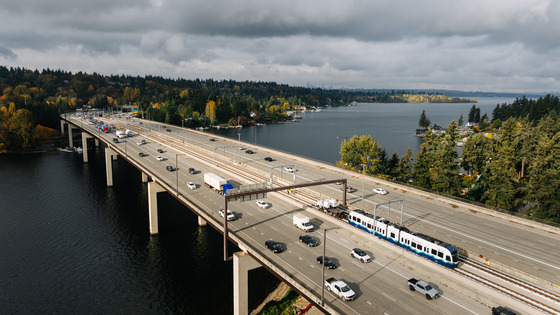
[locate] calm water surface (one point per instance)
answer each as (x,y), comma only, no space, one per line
(70,244)
(319,134)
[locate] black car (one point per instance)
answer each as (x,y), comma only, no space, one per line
(160,150)
(268,159)
(328,262)
(168,130)
(116,140)
(249,152)
(308,240)
(170,168)
(275,247)
(141,154)
(212,139)
(500,310)
(350,189)
(192,170)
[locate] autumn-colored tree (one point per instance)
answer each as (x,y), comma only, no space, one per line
(358,152)
(210,111)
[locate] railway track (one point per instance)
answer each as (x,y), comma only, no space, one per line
(515,288)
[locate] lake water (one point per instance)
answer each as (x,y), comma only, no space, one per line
(70,244)
(318,135)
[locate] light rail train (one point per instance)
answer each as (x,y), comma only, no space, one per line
(423,245)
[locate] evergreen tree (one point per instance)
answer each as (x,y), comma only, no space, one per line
(460,122)
(445,170)
(472,112)
(424,161)
(424,122)
(405,167)
(392,164)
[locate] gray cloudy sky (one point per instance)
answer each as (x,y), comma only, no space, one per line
(497,45)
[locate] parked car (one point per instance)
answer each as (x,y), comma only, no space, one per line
(263,204)
(360,254)
(275,247)
(249,151)
(191,185)
(160,150)
(141,154)
(308,240)
(329,264)
(192,170)
(380,191)
(230,215)
(268,159)
(159,158)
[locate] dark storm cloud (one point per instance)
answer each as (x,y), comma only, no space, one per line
(506,45)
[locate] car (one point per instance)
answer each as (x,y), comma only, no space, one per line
(500,310)
(170,168)
(350,189)
(240,147)
(268,159)
(192,170)
(168,130)
(212,139)
(263,204)
(141,142)
(230,215)
(159,150)
(159,158)
(308,240)
(191,185)
(141,154)
(116,140)
(289,169)
(249,151)
(360,254)
(380,191)
(275,247)
(329,264)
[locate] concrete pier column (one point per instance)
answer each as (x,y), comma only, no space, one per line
(109,165)
(114,157)
(201,221)
(70,140)
(153,189)
(242,263)
(144,178)
(96,142)
(62,122)
(85,136)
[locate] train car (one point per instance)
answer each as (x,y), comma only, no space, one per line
(423,245)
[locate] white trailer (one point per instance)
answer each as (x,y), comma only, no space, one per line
(214,181)
(302,222)
(326,203)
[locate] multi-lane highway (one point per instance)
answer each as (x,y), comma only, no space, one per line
(380,285)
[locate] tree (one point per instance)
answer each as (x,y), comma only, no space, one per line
(360,150)
(445,168)
(210,111)
(424,161)
(404,169)
(424,122)
(472,112)
(460,122)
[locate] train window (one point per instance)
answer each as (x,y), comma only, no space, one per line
(392,235)
(434,252)
(369,226)
(440,254)
(358,220)
(447,258)
(426,249)
(413,244)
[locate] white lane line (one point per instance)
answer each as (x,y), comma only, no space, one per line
(390,298)
(443,297)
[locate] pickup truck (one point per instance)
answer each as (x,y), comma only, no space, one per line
(422,287)
(340,288)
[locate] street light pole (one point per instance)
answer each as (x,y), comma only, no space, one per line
(323,269)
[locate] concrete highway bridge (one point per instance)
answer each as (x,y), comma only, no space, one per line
(505,260)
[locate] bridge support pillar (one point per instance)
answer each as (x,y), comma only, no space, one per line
(242,263)
(70,140)
(114,157)
(96,142)
(201,221)
(62,122)
(153,189)
(109,165)
(85,136)
(144,178)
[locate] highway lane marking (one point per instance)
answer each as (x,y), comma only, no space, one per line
(390,298)
(549,243)
(443,297)
(368,302)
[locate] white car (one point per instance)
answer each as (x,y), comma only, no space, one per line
(380,191)
(360,254)
(289,169)
(240,148)
(263,204)
(191,185)
(141,142)
(159,158)
(230,215)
